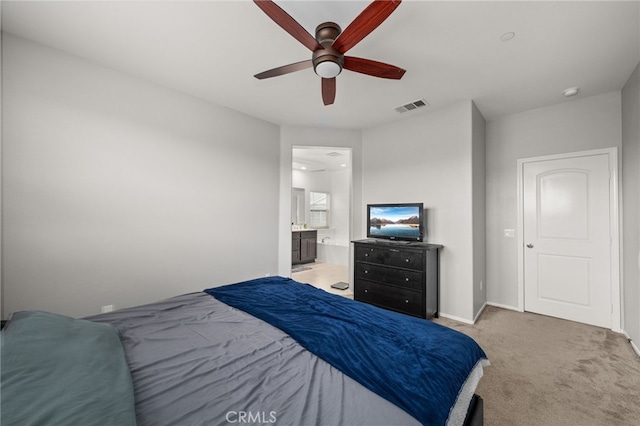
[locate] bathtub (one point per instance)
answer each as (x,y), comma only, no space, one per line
(333,251)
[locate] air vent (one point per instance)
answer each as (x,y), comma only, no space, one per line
(411,106)
(334,154)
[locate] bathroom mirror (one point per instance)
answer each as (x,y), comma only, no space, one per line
(298,206)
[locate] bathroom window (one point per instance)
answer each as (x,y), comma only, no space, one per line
(318,210)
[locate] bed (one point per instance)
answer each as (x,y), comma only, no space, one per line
(264,351)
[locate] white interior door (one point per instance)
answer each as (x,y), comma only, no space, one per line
(566,225)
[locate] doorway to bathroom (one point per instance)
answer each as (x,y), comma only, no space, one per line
(321,207)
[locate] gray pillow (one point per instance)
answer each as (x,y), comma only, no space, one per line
(58,370)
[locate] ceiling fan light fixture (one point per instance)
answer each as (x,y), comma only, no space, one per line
(327,62)
(327,69)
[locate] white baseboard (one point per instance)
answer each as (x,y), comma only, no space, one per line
(479,312)
(452,317)
(635,348)
(498,305)
(631,342)
(466,321)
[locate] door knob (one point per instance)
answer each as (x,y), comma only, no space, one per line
(529,245)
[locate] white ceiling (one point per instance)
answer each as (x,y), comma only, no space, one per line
(316,159)
(451,50)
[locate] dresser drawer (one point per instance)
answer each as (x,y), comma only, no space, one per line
(397,299)
(391,257)
(401,277)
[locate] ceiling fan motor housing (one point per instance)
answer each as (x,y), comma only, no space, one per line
(327,32)
(327,62)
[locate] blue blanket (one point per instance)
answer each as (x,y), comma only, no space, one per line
(416,364)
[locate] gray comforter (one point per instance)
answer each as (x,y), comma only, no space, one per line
(196,361)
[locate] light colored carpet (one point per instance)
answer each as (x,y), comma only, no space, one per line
(551,372)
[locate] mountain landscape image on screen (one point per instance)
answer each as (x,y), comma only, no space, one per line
(394,222)
(413,221)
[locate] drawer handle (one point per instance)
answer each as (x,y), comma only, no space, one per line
(366,291)
(406,301)
(366,272)
(366,255)
(407,260)
(407,279)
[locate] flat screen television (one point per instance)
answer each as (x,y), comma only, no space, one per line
(401,222)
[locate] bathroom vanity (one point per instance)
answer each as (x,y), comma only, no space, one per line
(303,246)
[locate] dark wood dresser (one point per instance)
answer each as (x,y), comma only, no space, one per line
(399,276)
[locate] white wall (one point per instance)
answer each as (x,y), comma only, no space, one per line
(318,137)
(631,203)
(117,191)
(1,122)
(340,206)
(428,159)
(478,155)
(582,124)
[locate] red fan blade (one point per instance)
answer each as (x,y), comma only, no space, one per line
(285,69)
(328,90)
(367,21)
(287,23)
(374,68)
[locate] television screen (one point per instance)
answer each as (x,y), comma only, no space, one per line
(395,221)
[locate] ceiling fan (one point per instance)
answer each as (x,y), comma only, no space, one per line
(331,43)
